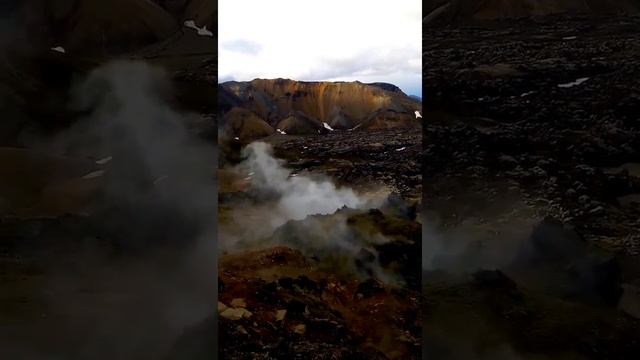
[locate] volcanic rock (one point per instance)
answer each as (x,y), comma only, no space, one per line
(280,314)
(300,329)
(236,313)
(369,288)
(238,303)
(555,149)
(222,307)
(306,316)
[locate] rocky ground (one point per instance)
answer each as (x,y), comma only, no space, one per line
(277,304)
(527,119)
(497,95)
(359,158)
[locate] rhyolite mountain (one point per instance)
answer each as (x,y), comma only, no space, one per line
(301,107)
(469,11)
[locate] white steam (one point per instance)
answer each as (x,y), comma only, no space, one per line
(306,213)
(299,196)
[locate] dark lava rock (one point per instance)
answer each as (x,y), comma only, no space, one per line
(296,307)
(303,282)
(369,288)
(286,282)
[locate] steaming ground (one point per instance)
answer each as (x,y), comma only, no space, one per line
(108,245)
(304,212)
(295,239)
(282,195)
(299,196)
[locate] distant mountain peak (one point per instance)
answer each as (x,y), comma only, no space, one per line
(386,86)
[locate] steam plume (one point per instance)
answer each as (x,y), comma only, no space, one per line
(300,196)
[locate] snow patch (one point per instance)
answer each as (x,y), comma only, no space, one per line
(527,93)
(191,24)
(281,132)
(569,38)
(203,31)
(573,83)
(104,161)
(93,175)
(402,148)
(326,126)
(59,49)
(418,116)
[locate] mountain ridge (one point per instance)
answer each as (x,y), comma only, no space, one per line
(315,106)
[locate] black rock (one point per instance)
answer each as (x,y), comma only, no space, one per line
(369,288)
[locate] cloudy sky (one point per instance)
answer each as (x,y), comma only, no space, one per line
(333,40)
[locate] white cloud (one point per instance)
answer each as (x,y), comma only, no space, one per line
(366,40)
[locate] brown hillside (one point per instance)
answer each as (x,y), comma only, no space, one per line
(339,104)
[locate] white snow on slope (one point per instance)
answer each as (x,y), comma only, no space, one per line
(201,31)
(204,32)
(104,161)
(418,116)
(94,174)
(191,24)
(326,126)
(573,83)
(59,49)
